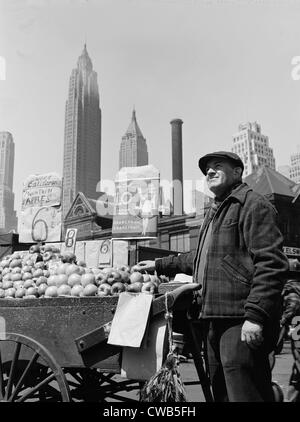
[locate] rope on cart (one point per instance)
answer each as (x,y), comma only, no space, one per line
(166,385)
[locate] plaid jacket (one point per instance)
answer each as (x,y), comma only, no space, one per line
(245,268)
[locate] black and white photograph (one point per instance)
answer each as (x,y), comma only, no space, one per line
(149,203)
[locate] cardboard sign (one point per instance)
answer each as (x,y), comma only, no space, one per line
(136,202)
(40,225)
(70,240)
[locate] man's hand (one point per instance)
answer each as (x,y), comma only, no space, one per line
(148,266)
(252,334)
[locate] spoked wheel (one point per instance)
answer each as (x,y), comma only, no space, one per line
(28,372)
(90,385)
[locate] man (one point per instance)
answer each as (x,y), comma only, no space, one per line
(240,266)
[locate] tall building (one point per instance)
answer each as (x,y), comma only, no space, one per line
(133,150)
(294,170)
(8,216)
(253,147)
(82,140)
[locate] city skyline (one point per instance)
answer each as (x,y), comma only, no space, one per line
(193,67)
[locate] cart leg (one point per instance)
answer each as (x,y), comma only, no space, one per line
(196,339)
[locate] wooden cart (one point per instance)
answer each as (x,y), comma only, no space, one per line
(55,349)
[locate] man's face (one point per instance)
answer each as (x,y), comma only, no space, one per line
(221,175)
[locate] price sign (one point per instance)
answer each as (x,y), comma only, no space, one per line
(70,240)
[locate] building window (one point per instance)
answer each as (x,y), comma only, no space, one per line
(180,242)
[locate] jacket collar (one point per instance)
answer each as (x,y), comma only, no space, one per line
(239,193)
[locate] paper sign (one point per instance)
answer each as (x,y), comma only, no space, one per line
(130,319)
(40,224)
(143,363)
(136,202)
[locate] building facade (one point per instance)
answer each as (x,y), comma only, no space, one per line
(82,138)
(253,148)
(8,216)
(133,149)
(292,171)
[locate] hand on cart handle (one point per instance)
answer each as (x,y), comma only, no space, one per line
(147,266)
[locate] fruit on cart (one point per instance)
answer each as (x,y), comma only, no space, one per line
(135,287)
(51,291)
(72,269)
(64,290)
(74,279)
(77,290)
(21,276)
(61,279)
(104,289)
(88,278)
(117,288)
(136,276)
(149,287)
(90,290)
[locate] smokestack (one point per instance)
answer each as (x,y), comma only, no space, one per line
(177,176)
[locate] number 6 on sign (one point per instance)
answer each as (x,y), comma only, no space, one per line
(39,231)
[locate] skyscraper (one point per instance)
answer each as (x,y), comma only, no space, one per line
(133,150)
(253,148)
(82,140)
(8,217)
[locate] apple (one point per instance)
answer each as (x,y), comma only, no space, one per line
(149,287)
(10,292)
(38,273)
(20,292)
(136,277)
(125,276)
(81,263)
(100,278)
(51,291)
(90,290)
(47,256)
(42,289)
(31,291)
(74,279)
(88,279)
(61,279)
(117,288)
(41,280)
(135,287)
(105,288)
(34,249)
(63,290)
(72,269)
(28,283)
(146,278)
(76,290)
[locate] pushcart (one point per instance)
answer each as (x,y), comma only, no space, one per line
(55,349)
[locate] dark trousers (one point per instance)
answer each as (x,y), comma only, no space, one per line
(237,372)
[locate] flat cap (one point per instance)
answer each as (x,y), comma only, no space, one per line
(224,155)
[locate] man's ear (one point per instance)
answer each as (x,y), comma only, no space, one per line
(238,172)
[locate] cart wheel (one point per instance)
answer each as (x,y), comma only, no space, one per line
(28,372)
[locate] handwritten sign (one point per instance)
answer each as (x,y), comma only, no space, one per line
(41,215)
(42,190)
(40,225)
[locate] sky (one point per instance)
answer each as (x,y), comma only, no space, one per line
(212,63)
